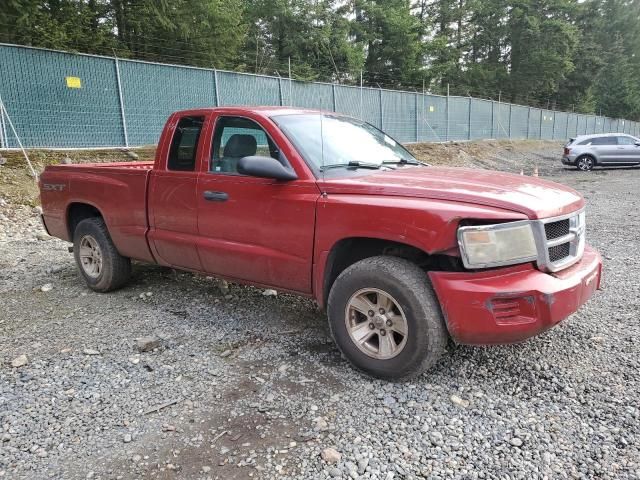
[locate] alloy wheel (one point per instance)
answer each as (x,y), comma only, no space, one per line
(376,323)
(90,256)
(585,164)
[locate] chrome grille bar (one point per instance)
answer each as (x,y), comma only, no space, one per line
(558,252)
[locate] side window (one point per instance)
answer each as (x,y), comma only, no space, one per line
(626,141)
(238,137)
(588,141)
(184,145)
(604,141)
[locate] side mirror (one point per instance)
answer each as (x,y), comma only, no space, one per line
(637,143)
(265,167)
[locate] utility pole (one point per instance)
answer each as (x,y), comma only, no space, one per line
(361,95)
(417,125)
(381,107)
(492,117)
(540,126)
(499,111)
(446,138)
(123,117)
(290,89)
(424,103)
(469,122)
(4,140)
(280,89)
(216,87)
(333,96)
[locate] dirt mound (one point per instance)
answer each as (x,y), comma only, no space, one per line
(19,187)
(504,155)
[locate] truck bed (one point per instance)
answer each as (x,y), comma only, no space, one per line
(110,166)
(118,189)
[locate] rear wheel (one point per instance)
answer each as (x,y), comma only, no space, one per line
(585,163)
(99,263)
(385,318)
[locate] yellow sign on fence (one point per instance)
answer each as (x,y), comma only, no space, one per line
(73,82)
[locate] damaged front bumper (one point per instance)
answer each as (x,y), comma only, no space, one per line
(508,305)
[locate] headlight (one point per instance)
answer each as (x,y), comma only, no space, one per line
(495,245)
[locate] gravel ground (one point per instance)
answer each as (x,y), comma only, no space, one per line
(242,384)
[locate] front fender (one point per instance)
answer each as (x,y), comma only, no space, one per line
(426,224)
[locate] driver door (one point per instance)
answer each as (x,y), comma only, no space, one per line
(254,229)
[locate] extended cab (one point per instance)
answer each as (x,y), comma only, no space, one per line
(403,256)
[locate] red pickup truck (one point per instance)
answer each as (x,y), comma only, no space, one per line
(402,255)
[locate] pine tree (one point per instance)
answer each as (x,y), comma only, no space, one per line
(617,91)
(315,36)
(542,43)
(393,48)
(569,53)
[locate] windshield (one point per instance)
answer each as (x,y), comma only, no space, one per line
(330,141)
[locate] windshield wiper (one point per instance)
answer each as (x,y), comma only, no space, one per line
(402,161)
(352,164)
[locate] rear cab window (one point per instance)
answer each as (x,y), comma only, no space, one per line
(184,145)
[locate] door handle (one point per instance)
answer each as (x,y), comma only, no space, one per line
(216,196)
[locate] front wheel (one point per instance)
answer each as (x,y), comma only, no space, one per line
(585,163)
(385,318)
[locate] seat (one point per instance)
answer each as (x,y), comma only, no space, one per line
(237,147)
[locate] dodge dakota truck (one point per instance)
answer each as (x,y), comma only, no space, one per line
(403,256)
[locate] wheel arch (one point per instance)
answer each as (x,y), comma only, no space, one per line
(347,251)
(79,211)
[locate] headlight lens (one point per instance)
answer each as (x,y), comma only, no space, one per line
(495,245)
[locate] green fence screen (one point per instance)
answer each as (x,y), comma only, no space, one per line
(65,100)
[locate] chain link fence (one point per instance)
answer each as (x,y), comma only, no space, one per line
(65,100)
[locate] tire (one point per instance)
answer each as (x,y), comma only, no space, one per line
(92,246)
(406,291)
(585,163)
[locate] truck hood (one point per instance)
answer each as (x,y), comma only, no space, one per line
(531,196)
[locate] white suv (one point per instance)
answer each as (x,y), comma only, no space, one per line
(588,151)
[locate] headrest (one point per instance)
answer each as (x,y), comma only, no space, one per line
(240,146)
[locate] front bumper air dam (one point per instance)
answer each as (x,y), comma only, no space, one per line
(509,305)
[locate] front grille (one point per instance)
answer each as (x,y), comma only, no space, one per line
(557,229)
(559,252)
(560,241)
